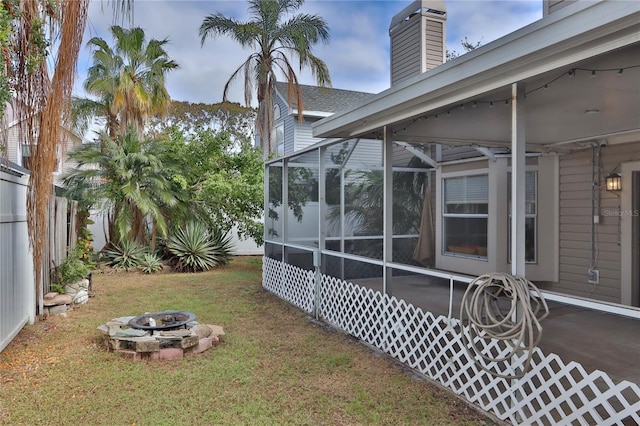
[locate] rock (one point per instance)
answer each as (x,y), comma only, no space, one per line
(176,333)
(121,320)
(189,341)
(51,295)
(130,332)
(216,329)
(203,344)
(146,344)
(202,330)
(57,309)
(61,299)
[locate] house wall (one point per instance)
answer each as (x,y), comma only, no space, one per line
(497,259)
(575,236)
(303,136)
(14,150)
(13,145)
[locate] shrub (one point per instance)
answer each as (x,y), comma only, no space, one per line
(124,255)
(73,268)
(195,248)
(150,263)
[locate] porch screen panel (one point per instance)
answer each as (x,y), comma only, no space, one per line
(409,189)
(465,212)
(356,271)
(302,192)
(273,222)
(363,200)
(274,251)
(335,159)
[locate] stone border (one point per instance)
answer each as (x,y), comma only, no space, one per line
(138,344)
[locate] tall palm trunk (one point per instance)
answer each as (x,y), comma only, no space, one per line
(43,103)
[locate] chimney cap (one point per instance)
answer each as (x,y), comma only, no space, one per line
(433,8)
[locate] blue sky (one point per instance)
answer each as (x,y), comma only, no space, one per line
(357,55)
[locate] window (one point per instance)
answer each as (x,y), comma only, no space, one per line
(465,212)
(26,158)
(279,140)
(530,220)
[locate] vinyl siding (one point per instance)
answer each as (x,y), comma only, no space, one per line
(434,44)
(13,145)
(551,6)
(290,123)
(406,58)
(416,47)
(304,137)
(575,225)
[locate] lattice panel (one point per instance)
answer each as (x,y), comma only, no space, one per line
(552,392)
(355,309)
(288,282)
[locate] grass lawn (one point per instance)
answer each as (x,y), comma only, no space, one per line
(274,367)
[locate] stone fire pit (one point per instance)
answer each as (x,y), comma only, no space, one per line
(159,335)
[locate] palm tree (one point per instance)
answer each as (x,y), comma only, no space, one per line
(274,41)
(128,179)
(127,80)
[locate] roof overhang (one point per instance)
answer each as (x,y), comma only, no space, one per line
(307,113)
(580,32)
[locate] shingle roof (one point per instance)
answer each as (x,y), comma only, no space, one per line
(324,99)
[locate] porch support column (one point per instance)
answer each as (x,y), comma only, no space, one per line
(285,210)
(387,209)
(518,166)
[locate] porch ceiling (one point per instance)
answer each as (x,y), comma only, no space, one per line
(576,106)
(560,51)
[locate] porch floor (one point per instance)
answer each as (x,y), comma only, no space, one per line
(597,340)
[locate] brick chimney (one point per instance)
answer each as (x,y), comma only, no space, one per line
(417,39)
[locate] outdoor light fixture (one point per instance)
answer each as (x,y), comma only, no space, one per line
(614,182)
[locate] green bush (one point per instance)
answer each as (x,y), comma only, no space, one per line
(194,248)
(150,263)
(73,268)
(124,255)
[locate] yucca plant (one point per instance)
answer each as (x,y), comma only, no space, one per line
(126,255)
(150,263)
(195,248)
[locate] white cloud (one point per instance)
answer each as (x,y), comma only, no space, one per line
(357,56)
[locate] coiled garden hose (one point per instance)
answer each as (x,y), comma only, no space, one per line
(501,306)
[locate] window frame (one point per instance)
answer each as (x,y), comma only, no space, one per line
(445,216)
(527,216)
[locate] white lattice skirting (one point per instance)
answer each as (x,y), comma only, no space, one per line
(552,392)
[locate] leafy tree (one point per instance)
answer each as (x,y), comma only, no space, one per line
(127,81)
(126,177)
(224,181)
(273,41)
(228,117)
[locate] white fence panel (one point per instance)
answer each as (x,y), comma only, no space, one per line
(17,292)
(551,392)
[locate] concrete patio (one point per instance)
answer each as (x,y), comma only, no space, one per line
(597,340)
